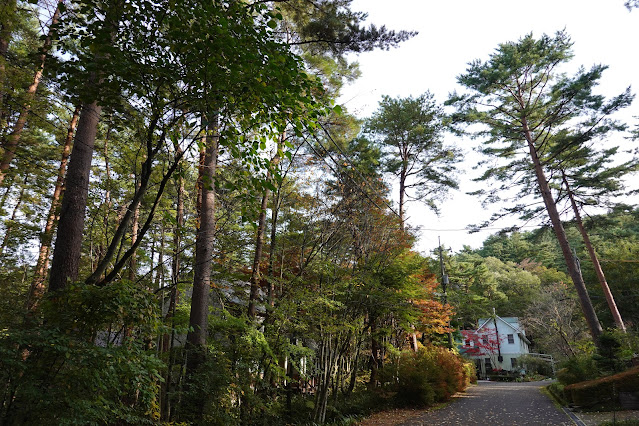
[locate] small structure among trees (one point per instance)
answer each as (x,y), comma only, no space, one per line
(495,345)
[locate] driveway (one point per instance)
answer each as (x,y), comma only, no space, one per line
(497,403)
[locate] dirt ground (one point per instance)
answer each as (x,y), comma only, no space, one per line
(390,418)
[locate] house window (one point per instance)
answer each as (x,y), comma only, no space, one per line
(484,340)
(467,342)
(511,338)
(487,363)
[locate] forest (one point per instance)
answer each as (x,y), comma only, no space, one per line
(194,231)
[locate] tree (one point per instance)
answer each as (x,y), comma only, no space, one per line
(330,26)
(553,321)
(593,256)
(484,344)
(410,132)
(7,21)
(68,245)
(525,105)
(588,175)
(473,290)
(13,139)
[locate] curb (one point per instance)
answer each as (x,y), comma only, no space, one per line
(573,417)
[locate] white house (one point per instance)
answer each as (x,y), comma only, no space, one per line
(495,344)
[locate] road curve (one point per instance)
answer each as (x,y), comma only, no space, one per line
(497,403)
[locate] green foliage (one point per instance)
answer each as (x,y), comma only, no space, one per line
(578,369)
(409,131)
(330,26)
(521,102)
(535,365)
(88,364)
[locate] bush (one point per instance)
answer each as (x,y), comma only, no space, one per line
(603,391)
(578,369)
(535,366)
(61,372)
(557,391)
(430,375)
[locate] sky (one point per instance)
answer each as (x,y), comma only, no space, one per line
(454,33)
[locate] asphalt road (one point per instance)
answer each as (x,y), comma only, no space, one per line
(497,403)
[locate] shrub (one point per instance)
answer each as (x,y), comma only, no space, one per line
(62,372)
(578,369)
(603,390)
(535,365)
(557,391)
(432,374)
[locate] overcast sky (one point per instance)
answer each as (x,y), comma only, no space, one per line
(453,33)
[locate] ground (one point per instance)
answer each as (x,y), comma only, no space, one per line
(497,403)
(488,403)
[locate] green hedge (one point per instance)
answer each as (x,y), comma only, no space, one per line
(603,391)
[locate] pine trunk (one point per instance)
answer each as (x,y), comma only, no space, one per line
(37,285)
(204,245)
(586,305)
(274,213)
(595,261)
(402,194)
(271,258)
(68,245)
(374,363)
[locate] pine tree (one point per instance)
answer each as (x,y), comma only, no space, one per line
(525,105)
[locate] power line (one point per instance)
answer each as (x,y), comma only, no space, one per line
(350,163)
(366,195)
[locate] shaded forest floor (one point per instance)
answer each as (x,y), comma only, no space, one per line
(397,416)
(391,417)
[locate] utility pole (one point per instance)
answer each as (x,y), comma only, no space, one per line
(444,285)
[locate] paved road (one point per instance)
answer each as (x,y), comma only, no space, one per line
(497,403)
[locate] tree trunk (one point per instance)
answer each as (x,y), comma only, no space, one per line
(134,237)
(68,245)
(108,204)
(374,364)
(259,245)
(169,339)
(402,194)
(196,338)
(133,208)
(37,285)
(204,245)
(586,305)
(14,214)
(177,237)
(275,209)
(593,257)
(8,10)
(159,273)
(13,140)
(175,262)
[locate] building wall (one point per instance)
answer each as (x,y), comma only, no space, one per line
(488,354)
